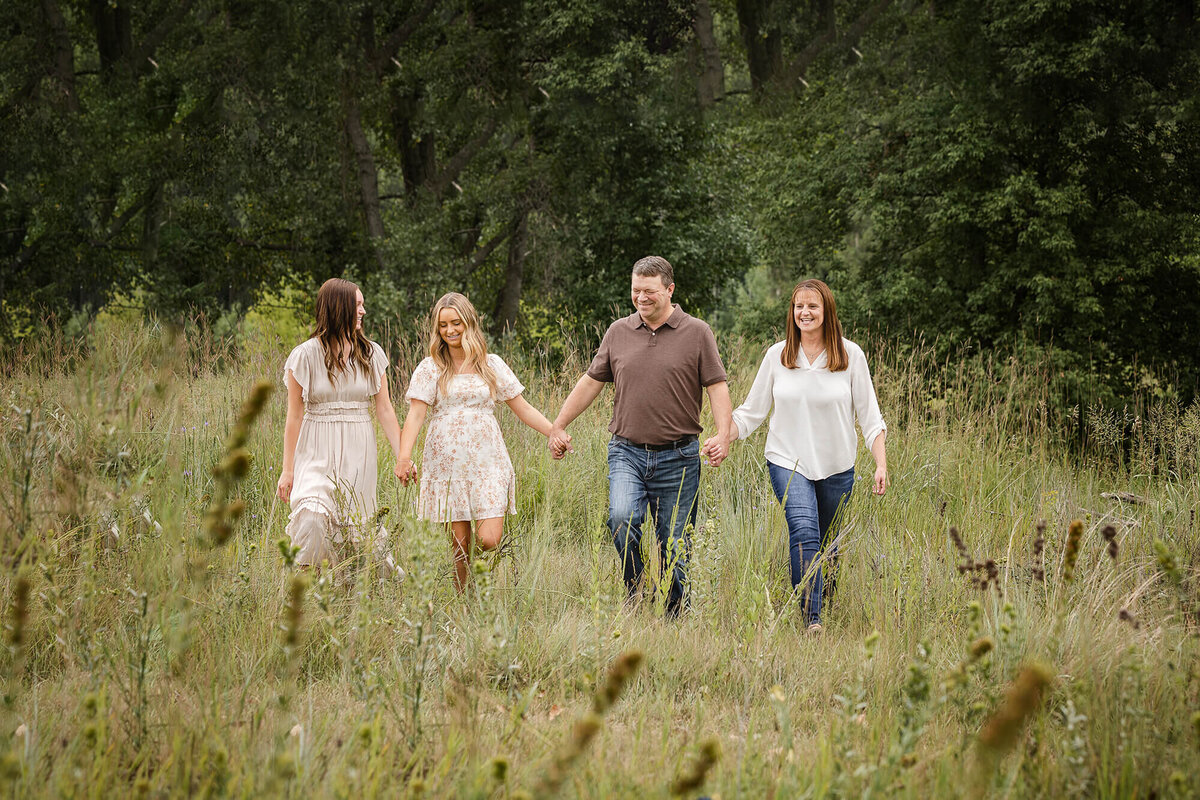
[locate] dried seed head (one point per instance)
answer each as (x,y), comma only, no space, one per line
(1074,535)
(693,776)
(1023,698)
(19,614)
(295,610)
(619,674)
(236,464)
(981,647)
(958,543)
(236,509)
(1110,536)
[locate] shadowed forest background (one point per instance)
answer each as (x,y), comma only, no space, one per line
(1004,177)
(1002,195)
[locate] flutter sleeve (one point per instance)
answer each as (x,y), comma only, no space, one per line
(423,384)
(507,385)
(300,364)
(379,363)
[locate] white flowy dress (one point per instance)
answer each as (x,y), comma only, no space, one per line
(466,473)
(336,466)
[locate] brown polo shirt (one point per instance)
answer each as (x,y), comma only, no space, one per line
(658,376)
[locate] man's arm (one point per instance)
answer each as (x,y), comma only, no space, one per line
(586,390)
(722,410)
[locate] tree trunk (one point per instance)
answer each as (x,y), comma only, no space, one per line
(418,159)
(368,175)
(764,45)
(63,67)
(508,307)
(114,33)
(712,72)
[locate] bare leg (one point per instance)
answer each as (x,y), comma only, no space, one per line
(460,544)
(488,532)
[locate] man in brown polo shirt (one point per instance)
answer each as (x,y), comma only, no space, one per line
(659,360)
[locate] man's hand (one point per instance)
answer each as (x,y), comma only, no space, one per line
(560,442)
(715,450)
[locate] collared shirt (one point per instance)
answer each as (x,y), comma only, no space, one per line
(658,376)
(812,427)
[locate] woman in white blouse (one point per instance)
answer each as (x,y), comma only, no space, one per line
(818,383)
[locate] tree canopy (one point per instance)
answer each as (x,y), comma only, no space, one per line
(989,173)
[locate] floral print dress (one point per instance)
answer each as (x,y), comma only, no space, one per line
(466,473)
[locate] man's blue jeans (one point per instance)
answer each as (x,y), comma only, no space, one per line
(811,509)
(666,483)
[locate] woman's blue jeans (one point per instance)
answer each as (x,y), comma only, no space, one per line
(665,483)
(814,511)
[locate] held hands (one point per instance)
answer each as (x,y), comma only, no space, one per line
(560,443)
(406,470)
(283,489)
(715,450)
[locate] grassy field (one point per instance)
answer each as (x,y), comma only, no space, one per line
(151,651)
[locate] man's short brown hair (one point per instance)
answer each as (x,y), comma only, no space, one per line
(650,266)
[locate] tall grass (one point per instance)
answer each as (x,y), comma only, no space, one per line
(144,656)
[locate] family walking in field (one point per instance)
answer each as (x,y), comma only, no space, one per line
(661,361)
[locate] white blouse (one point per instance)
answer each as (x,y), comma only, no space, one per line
(812,429)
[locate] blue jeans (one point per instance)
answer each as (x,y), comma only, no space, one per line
(811,510)
(666,482)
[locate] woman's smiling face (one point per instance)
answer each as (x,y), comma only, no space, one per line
(808,311)
(451,327)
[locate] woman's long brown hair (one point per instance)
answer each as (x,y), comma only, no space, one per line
(337,323)
(831,329)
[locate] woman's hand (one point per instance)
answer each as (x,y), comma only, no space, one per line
(406,470)
(284,487)
(715,450)
(881,481)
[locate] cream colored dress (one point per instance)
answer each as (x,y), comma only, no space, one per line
(336,466)
(466,473)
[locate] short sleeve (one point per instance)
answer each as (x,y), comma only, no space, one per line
(423,384)
(300,364)
(507,385)
(601,367)
(379,363)
(711,369)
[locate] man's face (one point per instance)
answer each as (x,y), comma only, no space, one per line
(652,298)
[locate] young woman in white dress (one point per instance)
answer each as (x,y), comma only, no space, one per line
(330,462)
(467,474)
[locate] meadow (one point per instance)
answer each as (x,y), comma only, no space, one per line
(158,642)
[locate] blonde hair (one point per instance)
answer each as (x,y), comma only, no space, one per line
(473,344)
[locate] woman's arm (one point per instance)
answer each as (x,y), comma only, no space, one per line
(291,435)
(529,415)
(385,412)
(866,408)
(879,450)
(405,469)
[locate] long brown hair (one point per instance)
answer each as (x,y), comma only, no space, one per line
(337,323)
(831,329)
(473,344)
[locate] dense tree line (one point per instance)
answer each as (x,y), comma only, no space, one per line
(992,173)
